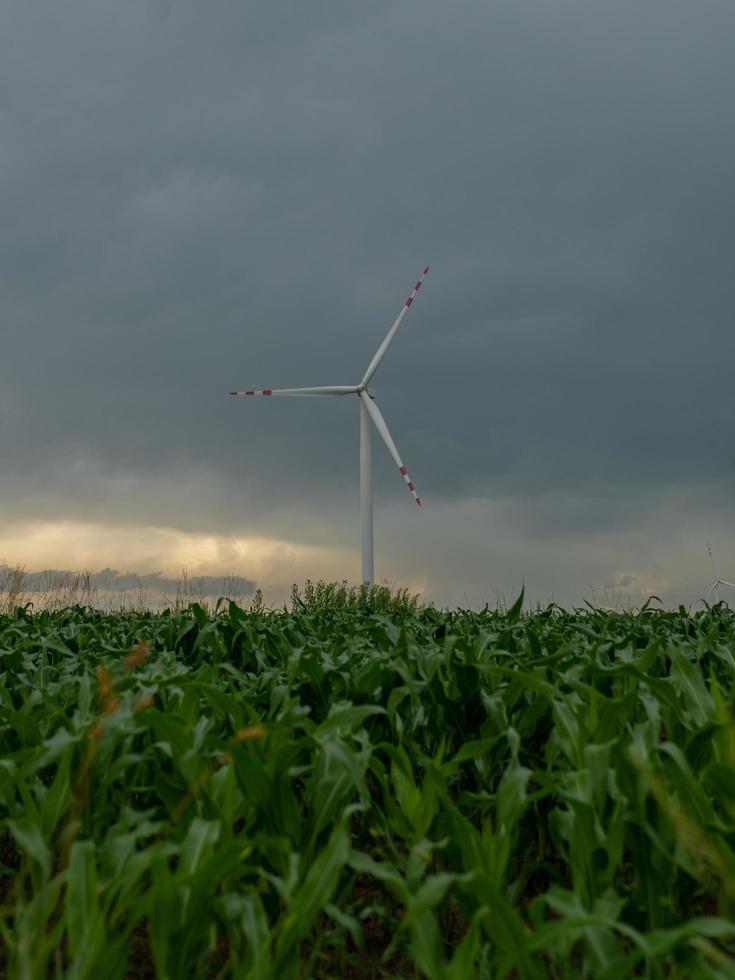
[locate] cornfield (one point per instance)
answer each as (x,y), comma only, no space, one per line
(350,791)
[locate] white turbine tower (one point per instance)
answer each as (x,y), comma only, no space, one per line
(368,411)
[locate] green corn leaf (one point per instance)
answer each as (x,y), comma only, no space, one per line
(313,894)
(85,924)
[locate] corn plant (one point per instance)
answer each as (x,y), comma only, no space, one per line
(355,788)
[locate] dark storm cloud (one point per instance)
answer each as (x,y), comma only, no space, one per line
(197,197)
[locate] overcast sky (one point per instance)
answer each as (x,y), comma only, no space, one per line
(204,196)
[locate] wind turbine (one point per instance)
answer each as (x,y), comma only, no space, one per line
(369,411)
(715,587)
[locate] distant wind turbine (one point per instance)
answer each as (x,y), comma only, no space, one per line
(368,411)
(715,587)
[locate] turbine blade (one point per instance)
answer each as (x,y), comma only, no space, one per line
(333,390)
(374,413)
(712,588)
(391,333)
(723,582)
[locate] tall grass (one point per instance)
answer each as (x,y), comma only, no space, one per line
(56,590)
(324,596)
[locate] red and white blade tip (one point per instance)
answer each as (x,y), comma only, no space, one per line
(416,288)
(264,391)
(409,484)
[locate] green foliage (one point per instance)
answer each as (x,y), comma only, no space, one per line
(329,597)
(360,787)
